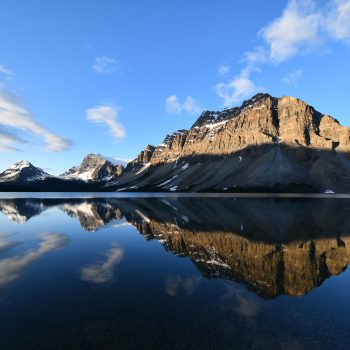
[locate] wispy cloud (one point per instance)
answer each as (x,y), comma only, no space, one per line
(7,141)
(13,115)
(258,55)
(238,88)
(293,77)
(108,115)
(223,70)
(103,272)
(104,65)
(173,105)
(5,71)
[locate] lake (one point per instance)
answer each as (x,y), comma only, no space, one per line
(96,271)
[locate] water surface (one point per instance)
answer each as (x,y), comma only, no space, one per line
(174,272)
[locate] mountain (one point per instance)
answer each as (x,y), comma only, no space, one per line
(95,167)
(267,144)
(21,173)
(94,171)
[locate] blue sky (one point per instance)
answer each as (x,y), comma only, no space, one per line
(113,76)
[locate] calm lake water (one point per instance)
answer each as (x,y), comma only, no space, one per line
(200,272)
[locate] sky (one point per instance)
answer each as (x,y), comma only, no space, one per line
(111,76)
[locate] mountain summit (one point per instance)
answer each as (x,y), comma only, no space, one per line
(22,172)
(95,167)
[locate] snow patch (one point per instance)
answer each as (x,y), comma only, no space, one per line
(147,165)
(167,181)
(184,167)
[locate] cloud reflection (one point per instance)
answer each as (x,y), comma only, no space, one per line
(6,244)
(243,303)
(102,272)
(173,284)
(11,268)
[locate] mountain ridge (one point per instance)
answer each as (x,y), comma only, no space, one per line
(266,144)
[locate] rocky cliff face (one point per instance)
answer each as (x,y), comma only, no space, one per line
(265,143)
(262,120)
(94,167)
(143,158)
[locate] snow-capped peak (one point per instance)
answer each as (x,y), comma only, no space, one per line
(22,171)
(95,167)
(114,161)
(20,165)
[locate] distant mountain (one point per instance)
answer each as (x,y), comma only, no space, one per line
(22,172)
(267,144)
(93,173)
(95,167)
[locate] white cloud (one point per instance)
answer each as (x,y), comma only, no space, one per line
(293,77)
(103,272)
(104,65)
(223,70)
(173,105)
(108,115)
(258,55)
(295,31)
(14,116)
(5,71)
(338,20)
(305,26)
(237,89)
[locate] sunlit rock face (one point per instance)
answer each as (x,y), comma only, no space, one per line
(261,120)
(268,143)
(274,246)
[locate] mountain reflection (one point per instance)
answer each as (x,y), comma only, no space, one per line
(275,246)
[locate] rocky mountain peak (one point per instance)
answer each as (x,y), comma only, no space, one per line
(261,120)
(208,118)
(21,164)
(94,167)
(22,172)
